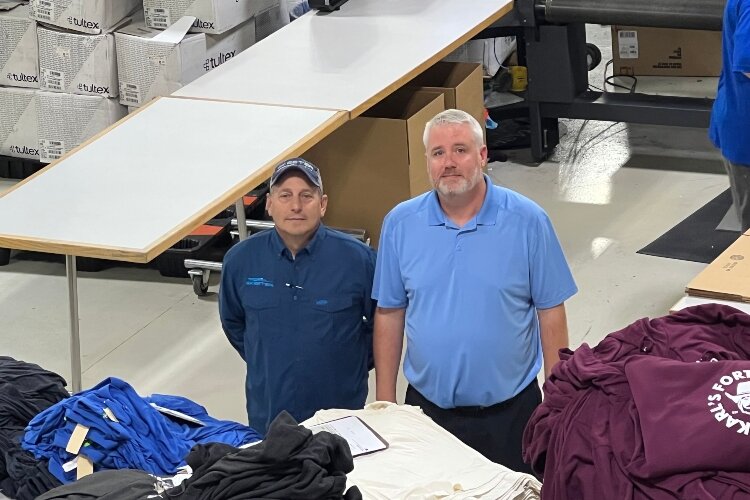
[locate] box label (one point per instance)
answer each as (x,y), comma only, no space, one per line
(158,17)
(45,10)
(54,80)
(69,466)
(627,41)
(51,150)
(130,93)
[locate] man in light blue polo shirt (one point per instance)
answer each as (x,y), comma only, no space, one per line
(476,277)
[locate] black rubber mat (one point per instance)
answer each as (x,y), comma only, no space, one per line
(696,238)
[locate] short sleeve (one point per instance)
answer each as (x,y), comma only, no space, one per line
(551,280)
(388,287)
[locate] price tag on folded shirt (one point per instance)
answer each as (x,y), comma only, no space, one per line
(360,436)
(178,414)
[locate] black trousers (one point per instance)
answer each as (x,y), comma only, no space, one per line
(494,431)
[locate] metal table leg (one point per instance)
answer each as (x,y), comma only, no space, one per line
(241,224)
(75,341)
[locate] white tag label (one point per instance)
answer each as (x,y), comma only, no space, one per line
(130,93)
(51,150)
(628,44)
(157,18)
(110,415)
(45,9)
(177,414)
(53,80)
(69,466)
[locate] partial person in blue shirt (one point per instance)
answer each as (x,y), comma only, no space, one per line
(295,304)
(475,276)
(730,117)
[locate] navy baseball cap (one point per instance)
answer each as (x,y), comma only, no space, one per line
(301,165)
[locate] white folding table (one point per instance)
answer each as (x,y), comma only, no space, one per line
(139,187)
(349,59)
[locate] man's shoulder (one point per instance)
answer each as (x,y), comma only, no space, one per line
(520,205)
(410,208)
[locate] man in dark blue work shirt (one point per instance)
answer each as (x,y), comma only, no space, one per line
(295,303)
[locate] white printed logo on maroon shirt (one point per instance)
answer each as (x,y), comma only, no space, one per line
(726,410)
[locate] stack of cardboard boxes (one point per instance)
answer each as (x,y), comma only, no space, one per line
(77,70)
(19,81)
(71,68)
(157,55)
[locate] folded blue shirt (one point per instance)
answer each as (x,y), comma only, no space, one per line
(141,437)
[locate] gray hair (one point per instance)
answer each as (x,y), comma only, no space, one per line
(454,117)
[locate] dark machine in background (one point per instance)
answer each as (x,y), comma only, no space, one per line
(552,45)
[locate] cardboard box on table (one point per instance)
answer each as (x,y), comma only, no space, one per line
(377,160)
(460,82)
(728,276)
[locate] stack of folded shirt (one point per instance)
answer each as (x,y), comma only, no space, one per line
(122,430)
(25,390)
(291,463)
(657,410)
(423,460)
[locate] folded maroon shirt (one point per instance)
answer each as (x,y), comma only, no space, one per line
(693,416)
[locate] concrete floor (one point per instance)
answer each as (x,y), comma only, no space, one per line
(610,189)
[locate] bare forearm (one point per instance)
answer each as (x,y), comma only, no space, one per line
(388,338)
(553,326)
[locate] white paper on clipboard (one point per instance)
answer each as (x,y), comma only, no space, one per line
(361,438)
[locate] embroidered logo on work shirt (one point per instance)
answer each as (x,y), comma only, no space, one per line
(733,391)
(258,282)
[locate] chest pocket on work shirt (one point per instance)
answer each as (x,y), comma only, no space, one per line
(336,319)
(260,308)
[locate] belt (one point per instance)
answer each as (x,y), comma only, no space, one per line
(496,406)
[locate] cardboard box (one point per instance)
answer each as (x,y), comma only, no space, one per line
(665,52)
(728,276)
(18,123)
(372,163)
(150,65)
(153,63)
(19,53)
(223,47)
(85,16)
(490,53)
(77,63)
(68,120)
(211,16)
(269,20)
(461,83)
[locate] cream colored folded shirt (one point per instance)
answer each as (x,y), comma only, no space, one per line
(425,462)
